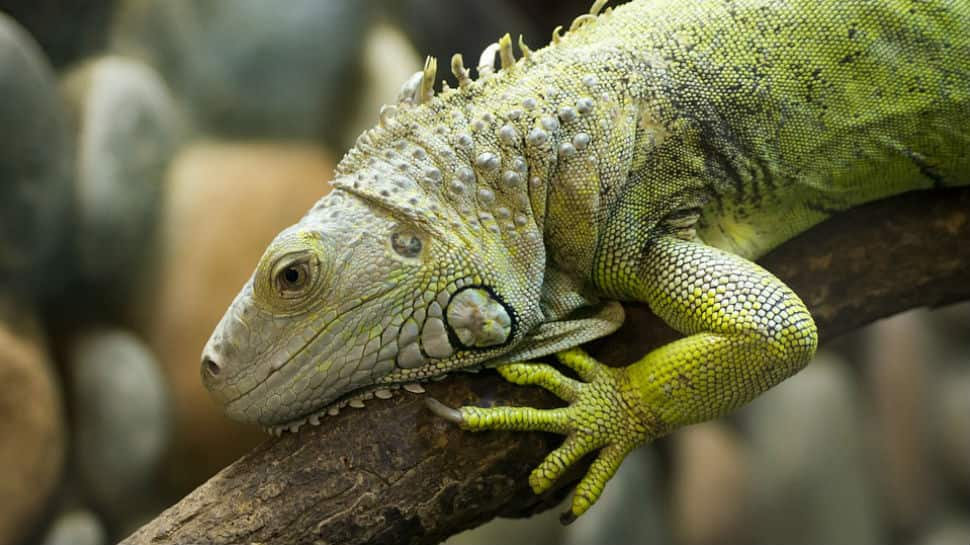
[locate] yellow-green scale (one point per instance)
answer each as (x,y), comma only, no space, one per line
(758,120)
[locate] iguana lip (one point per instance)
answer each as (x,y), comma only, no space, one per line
(279,366)
(354,399)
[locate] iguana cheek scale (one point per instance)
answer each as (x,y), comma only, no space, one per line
(648,154)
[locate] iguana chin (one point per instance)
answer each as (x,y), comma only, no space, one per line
(649,154)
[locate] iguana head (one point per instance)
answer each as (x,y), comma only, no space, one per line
(379,285)
(427,257)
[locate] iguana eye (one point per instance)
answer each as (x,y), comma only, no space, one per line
(406,244)
(293,278)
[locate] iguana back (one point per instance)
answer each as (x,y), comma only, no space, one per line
(776,114)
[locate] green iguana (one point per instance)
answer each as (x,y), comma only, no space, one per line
(648,154)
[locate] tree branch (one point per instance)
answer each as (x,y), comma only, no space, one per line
(396,474)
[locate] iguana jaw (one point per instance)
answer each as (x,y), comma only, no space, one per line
(355,399)
(547,339)
(388,380)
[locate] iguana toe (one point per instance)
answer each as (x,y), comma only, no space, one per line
(605,414)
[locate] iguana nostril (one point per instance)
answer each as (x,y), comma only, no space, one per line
(211,366)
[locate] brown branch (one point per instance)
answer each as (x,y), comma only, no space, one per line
(396,474)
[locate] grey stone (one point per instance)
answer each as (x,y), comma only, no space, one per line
(708,484)
(36,161)
(441,29)
(901,364)
(813,481)
(631,509)
(952,529)
(128,130)
(67,31)
(122,418)
(76,527)
(541,529)
(249,69)
(953,425)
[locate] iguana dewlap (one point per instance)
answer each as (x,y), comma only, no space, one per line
(648,154)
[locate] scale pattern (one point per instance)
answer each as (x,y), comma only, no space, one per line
(647,154)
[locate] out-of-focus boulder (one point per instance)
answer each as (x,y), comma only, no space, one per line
(900,366)
(441,29)
(388,60)
(953,529)
(32,430)
(541,529)
(950,392)
(249,68)
(121,413)
(128,131)
(709,487)
(953,425)
(224,203)
(76,527)
(36,162)
(632,508)
(813,479)
(67,31)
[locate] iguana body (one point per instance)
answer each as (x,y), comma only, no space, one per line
(647,155)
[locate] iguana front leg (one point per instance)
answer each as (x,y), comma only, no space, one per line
(746,331)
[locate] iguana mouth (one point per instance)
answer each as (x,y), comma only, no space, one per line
(354,399)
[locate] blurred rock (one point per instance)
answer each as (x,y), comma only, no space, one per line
(541,529)
(900,365)
(441,29)
(549,13)
(67,31)
(36,161)
(224,203)
(32,431)
(388,61)
(952,530)
(709,485)
(950,393)
(631,509)
(128,130)
(248,69)
(812,480)
(122,421)
(76,527)
(953,425)
(952,322)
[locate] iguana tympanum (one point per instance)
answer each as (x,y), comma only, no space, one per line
(648,154)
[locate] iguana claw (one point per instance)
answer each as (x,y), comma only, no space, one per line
(605,414)
(444,411)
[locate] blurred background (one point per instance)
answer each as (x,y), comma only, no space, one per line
(152,148)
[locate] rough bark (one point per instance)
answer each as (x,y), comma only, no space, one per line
(396,474)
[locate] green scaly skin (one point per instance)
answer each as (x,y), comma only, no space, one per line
(648,155)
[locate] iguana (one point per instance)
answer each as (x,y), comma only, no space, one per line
(648,154)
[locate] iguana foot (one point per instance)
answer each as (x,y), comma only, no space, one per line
(605,412)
